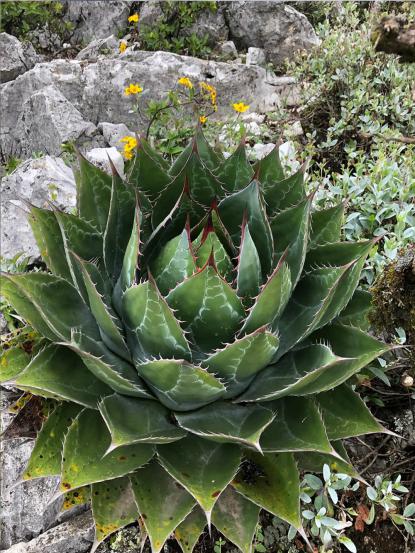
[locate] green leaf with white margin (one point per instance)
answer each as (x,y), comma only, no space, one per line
(208,307)
(272,482)
(236,171)
(314,462)
(297,426)
(269,169)
(12,362)
(80,496)
(47,375)
(84,453)
(47,300)
(109,325)
(145,310)
(224,422)
(326,225)
(290,230)
(237,363)
(113,507)
(249,201)
(132,420)
(202,467)
(119,224)
(108,367)
(345,414)
(249,276)
(236,518)
(46,457)
(162,503)
(148,174)
(283,194)
(272,299)
(93,193)
(47,233)
(188,532)
(209,243)
(79,236)
(179,385)
(174,263)
(130,264)
(357,310)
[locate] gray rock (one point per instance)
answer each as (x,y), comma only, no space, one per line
(228,50)
(255,56)
(113,133)
(94,20)
(101,156)
(25,508)
(15,57)
(47,120)
(150,13)
(36,180)
(74,536)
(99,47)
(272,25)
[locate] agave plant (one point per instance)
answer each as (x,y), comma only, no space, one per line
(201,329)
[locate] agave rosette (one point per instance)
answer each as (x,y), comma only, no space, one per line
(201,329)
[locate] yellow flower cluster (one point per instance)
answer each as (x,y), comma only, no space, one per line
(123,46)
(240,107)
(185,81)
(203,119)
(129,144)
(211,90)
(134,18)
(133,89)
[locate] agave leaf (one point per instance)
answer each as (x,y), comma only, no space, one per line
(12,362)
(271,300)
(144,310)
(249,200)
(326,226)
(119,375)
(179,385)
(132,420)
(269,169)
(113,507)
(297,426)
(46,456)
(79,236)
(337,254)
(209,244)
(80,496)
(237,363)
(188,532)
(47,233)
(47,375)
(271,481)
(93,194)
(84,453)
(49,300)
(236,171)
(208,307)
(285,193)
(174,263)
(249,276)
(119,224)
(290,231)
(202,467)
(345,414)
(338,461)
(357,310)
(224,422)
(162,503)
(207,154)
(236,518)
(148,172)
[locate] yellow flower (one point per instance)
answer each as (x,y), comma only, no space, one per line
(133,18)
(240,107)
(133,89)
(123,46)
(203,119)
(211,90)
(185,81)
(130,142)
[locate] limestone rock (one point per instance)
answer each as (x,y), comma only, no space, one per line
(74,536)
(36,180)
(272,25)
(101,158)
(255,56)
(15,57)
(99,47)
(113,133)
(47,120)
(228,50)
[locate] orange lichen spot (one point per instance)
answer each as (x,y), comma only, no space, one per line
(65,486)
(215,494)
(122,458)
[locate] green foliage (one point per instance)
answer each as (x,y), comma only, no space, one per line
(171,34)
(239,378)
